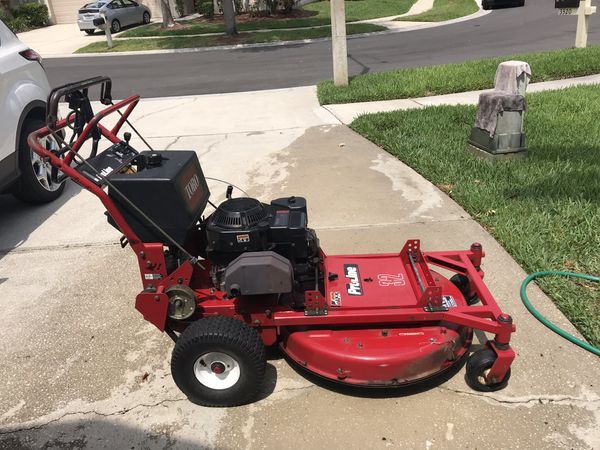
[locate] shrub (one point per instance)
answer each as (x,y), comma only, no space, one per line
(33,15)
(179,6)
(206,8)
(18,25)
(287,5)
(4,15)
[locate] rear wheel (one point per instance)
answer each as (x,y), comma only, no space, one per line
(146,17)
(219,361)
(115,26)
(38,183)
(89,32)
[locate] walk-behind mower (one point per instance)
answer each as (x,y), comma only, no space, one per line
(251,275)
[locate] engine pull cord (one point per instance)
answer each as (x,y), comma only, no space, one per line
(569,337)
(230,184)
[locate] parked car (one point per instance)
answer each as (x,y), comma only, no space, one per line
(119,13)
(495,4)
(24,89)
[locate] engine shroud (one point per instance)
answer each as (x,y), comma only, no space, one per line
(246,225)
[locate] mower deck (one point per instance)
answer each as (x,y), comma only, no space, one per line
(377,356)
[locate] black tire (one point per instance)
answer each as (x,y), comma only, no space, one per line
(219,335)
(29,188)
(89,32)
(462,283)
(146,17)
(115,26)
(477,364)
(485,5)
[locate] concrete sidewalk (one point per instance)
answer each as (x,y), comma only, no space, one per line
(347,112)
(82,369)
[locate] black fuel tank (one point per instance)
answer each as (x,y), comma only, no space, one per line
(169,187)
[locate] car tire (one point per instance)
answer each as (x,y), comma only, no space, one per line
(37,183)
(89,32)
(115,26)
(146,18)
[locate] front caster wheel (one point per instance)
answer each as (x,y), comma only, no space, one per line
(463,285)
(219,361)
(478,366)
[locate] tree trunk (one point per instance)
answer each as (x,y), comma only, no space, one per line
(229,18)
(165,7)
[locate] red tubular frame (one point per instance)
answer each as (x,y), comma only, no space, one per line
(152,302)
(268,318)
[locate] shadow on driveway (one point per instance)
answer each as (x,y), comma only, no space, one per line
(18,220)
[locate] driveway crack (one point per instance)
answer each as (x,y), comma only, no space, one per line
(527,400)
(120,412)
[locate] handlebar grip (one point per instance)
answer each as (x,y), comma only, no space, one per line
(59,92)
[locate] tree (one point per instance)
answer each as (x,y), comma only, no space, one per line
(229,18)
(165,7)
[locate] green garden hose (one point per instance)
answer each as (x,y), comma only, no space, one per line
(538,316)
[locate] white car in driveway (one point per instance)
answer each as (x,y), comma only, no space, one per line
(118,13)
(24,89)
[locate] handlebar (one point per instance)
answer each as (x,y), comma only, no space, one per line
(59,92)
(34,138)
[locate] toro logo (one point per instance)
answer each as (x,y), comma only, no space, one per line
(354,287)
(192,186)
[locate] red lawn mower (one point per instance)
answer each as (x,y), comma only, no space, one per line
(252,275)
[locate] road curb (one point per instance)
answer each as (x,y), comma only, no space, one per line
(293,43)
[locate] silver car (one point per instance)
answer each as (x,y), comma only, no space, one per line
(118,13)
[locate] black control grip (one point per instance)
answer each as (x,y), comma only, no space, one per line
(59,92)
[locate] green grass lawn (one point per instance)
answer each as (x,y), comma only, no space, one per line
(201,27)
(355,10)
(125,45)
(458,77)
(445,10)
(545,210)
(363,9)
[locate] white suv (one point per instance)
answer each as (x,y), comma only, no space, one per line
(24,89)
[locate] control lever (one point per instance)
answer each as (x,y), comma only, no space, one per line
(229,192)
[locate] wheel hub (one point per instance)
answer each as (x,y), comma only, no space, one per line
(217,367)
(217,370)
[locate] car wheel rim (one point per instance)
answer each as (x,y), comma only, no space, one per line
(146,17)
(116,27)
(217,370)
(42,169)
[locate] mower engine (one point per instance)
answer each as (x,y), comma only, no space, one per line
(254,248)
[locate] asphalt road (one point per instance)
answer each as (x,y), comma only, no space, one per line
(533,27)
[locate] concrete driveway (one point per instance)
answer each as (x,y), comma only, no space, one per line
(58,40)
(81,368)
